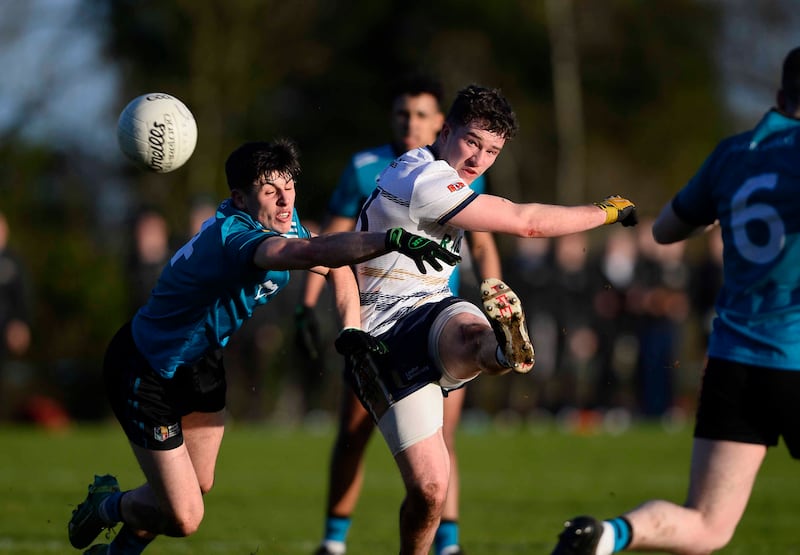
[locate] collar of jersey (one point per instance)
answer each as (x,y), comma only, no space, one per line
(773,122)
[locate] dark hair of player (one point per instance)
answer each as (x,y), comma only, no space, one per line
(486,107)
(249,164)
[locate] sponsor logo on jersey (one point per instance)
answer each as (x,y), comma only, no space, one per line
(453,187)
(163,433)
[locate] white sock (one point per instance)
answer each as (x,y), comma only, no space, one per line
(606,544)
(338,548)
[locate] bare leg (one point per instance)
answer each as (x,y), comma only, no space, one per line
(171,501)
(722,478)
(425,469)
(453,404)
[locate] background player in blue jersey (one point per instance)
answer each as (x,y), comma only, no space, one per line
(416,119)
(750,184)
(164,372)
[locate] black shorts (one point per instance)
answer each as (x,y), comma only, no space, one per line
(150,407)
(405,368)
(749,404)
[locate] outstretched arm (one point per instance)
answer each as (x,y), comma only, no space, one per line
(670,228)
(492,213)
(341,249)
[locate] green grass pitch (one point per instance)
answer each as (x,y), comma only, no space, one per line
(517,487)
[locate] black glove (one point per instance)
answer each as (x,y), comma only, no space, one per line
(619,209)
(419,249)
(354,342)
(307,335)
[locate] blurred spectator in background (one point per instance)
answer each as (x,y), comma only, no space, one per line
(575,280)
(15,299)
(15,324)
(148,255)
(615,325)
(201,210)
(660,300)
(530,269)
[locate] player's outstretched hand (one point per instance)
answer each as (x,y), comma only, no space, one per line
(355,341)
(419,249)
(308,338)
(619,209)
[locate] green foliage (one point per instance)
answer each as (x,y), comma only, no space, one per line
(517,488)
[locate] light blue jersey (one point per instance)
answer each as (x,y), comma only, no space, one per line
(208,290)
(751,184)
(358,181)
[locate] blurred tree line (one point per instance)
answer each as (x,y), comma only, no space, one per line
(319,71)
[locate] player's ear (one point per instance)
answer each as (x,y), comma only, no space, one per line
(237,195)
(445,132)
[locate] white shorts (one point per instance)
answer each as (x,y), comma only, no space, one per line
(413,418)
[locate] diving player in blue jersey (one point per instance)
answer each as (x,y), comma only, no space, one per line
(751,387)
(164,371)
(416,119)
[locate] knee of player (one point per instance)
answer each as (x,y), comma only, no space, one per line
(715,537)
(430,493)
(184,523)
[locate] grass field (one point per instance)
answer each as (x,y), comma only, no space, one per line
(517,487)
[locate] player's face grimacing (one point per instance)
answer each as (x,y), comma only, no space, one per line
(416,120)
(470,150)
(272,203)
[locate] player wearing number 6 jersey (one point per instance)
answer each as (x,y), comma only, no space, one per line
(432,342)
(164,372)
(751,387)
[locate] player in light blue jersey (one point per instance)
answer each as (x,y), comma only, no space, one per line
(416,119)
(164,372)
(750,184)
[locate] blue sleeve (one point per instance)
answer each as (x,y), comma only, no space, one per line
(694,204)
(241,240)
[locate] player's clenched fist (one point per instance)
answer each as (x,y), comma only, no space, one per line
(619,209)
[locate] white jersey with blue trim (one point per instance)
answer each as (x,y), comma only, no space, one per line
(359,179)
(208,290)
(751,184)
(420,194)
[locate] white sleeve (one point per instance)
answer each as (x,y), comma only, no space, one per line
(438,194)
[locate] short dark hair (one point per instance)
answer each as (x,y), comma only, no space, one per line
(415,84)
(251,162)
(790,78)
(486,107)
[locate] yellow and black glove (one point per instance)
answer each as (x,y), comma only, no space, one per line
(619,209)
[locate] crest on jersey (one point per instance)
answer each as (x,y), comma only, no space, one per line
(453,187)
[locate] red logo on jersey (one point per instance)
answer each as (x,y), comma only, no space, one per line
(453,187)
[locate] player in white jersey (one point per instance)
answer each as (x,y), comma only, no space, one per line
(416,119)
(429,341)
